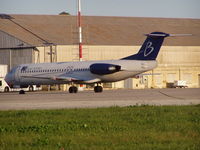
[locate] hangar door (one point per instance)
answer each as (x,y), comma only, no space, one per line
(170,80)
(128,83)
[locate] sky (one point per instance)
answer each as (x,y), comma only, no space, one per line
(127,8)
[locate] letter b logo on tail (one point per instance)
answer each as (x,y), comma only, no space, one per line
(148,49)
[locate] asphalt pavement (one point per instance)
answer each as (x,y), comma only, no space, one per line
(89,99)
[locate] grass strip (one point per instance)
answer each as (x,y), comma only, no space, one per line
(133,127)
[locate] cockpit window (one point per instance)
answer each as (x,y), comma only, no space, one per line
(13,69)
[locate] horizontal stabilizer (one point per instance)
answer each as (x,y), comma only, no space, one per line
(180,34)
(166,35)
(157,34)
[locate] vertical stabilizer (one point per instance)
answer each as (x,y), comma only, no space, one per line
(150,47)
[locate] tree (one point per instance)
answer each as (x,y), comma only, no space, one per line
(64,13)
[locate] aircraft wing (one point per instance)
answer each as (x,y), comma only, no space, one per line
(77,78)
(68,78)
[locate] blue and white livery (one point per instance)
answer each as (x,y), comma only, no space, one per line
(89,72)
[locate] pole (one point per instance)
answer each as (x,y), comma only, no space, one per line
(10,60)
(51,54)
(80,37)
(80,32)
(152,84)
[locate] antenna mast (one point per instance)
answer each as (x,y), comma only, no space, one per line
(80,32)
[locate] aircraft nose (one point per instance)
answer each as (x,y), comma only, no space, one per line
(9,79)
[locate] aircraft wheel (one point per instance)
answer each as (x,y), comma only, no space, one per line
(73,89)
(6,89)
(21,92)
(98,89)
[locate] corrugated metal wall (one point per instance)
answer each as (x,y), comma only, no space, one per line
(14,57)
(14,51)
(8,41)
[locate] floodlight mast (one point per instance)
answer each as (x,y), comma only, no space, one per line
(80,32)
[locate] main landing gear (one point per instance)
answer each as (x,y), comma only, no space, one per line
(97,89)
(73,89)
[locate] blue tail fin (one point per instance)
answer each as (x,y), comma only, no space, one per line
(150,47)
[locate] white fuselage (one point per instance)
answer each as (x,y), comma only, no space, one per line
(51,73)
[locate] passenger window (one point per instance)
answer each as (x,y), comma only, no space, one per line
(0,83)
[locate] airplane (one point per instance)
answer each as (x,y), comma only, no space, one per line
(89,72)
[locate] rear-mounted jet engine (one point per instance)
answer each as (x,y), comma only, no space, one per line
(103,69)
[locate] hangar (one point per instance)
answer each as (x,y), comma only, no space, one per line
(54,38)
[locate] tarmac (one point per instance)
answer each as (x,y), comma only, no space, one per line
(89,99)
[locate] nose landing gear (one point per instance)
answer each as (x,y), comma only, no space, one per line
(21,92)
